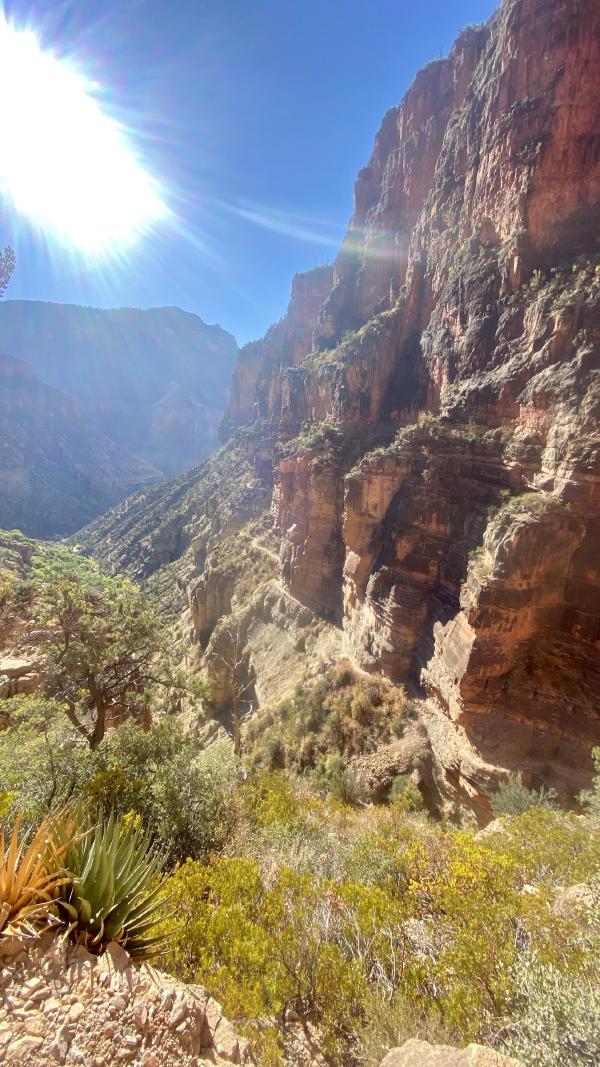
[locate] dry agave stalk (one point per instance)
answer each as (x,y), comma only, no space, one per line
(31,875)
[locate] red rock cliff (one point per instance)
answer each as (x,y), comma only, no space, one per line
(436,396)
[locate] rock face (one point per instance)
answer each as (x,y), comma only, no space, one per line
(421,1054)
(461,338)
(61,1005)
(255,386)
(429,406)
(123,398)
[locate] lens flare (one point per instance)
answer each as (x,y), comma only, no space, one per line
(64,162)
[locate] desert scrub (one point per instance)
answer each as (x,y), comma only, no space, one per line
(341,714)
(405,794)
(182,795)
(533,502)
(554,1021)
(314,436)
(264,951)
(513,797)
(550,848)
(429,924)
(481,562)
(590,798)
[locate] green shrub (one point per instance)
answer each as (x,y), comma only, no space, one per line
(590,798)
(405,794)
(513,797)
(340,714)
(43,762)
(555,1018)
(550,848)
(182,795)
(265,951)
(558,1023)
(343,782)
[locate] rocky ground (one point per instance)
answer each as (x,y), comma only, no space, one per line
(61,1005)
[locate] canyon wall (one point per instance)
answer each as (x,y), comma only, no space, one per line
(434,399)
(424,423)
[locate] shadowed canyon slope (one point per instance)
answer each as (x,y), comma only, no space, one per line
(427,415)
(130,396)
(55,471)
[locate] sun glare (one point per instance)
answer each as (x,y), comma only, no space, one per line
(66,164)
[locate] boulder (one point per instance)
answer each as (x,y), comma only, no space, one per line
(415,1053)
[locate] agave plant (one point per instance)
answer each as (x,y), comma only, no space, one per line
(115,889)
(30,875)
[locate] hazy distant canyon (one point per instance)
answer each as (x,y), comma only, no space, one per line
(95,404)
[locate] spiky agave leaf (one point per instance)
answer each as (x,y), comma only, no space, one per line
(115,889)
(31,875)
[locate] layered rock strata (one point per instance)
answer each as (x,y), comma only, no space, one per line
(429,409)
(460,336)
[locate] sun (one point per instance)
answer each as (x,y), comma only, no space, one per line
(64,162)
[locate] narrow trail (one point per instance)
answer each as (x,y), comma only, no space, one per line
(255,543)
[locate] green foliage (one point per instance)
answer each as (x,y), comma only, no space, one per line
(304,914)
(405,794)
(270,798)
(513,797)
(555,1020)
(43,760)
(559,1020)
(101,649)
(550,847)
(422,928)
(114,891)
(345,783)
(51,564)
(534,503)
(297,945)
(341,714)
(264,950)
(314,436)
(7,581)
(182,795)
(106,654)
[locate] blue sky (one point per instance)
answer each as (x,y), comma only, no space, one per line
(256,116)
